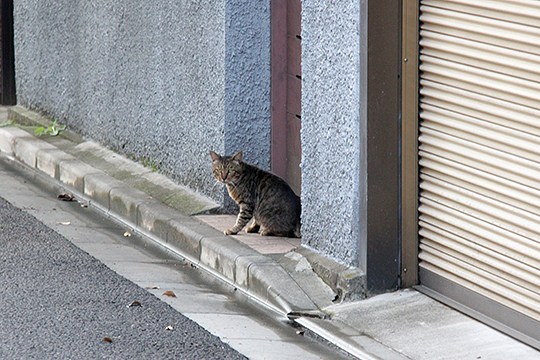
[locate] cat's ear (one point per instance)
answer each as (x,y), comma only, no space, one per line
(238,156)
(214,155)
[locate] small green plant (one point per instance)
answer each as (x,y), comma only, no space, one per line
(52,130)
(7,123)
(149,163)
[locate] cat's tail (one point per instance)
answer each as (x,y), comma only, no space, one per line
(296,231)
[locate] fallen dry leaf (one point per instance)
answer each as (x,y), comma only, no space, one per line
(66,197)
(169,293)
(107,339)
(134,303)
(64,222)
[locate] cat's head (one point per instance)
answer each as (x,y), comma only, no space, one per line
(227,169)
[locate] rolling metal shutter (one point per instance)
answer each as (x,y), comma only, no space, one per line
(479,154)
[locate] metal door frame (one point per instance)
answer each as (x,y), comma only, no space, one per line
(409,143)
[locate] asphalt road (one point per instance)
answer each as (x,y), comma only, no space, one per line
(58,302)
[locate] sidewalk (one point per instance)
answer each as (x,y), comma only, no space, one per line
(275,271)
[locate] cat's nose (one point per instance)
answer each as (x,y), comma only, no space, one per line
(224,175)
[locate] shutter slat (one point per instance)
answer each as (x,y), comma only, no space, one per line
(496,85)
(480,55)
(481,29)
(514,116)
(497,188)
(518,11)
(481,132)
(477,231)
(495,213)
(479,157)
(523,281)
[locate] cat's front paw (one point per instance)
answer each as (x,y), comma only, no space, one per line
(230,232)
(265,232)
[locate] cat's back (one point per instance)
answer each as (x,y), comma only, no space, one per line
(277,207)
(272,187)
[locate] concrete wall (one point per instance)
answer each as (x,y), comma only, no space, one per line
(333,121)
(149,78)
(170,80)
(247,80)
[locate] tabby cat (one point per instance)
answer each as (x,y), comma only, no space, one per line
(261,196)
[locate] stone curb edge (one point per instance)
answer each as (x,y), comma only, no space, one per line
(199,243)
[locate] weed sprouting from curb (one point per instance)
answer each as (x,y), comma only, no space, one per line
(7,123)
(53,130)
(149,163)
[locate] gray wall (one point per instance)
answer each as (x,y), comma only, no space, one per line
(149,78)
(169,80)
(333,121)
(247,80)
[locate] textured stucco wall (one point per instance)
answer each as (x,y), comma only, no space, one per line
(247,61)
(147,78)
(332,180)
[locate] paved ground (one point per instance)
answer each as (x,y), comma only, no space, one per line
(59,302)
(423,329)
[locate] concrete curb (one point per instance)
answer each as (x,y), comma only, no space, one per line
(251,272)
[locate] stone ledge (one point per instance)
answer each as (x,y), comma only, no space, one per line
(348,283)
(26,149)
(8,137)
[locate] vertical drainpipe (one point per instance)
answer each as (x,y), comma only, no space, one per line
(7,60)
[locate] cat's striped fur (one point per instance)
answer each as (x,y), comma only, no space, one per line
(261,196)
